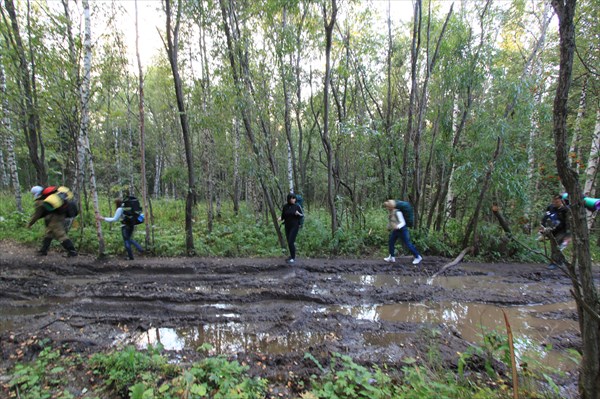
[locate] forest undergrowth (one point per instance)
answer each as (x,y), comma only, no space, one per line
(362,234)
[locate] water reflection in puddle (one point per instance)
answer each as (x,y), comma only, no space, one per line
(451,283)
(473,321)
(470,319)
(229,338)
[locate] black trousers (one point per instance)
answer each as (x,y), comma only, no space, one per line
(290,233)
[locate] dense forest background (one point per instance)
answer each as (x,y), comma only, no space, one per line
(449,108)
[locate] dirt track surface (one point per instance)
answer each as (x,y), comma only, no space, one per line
(265,309)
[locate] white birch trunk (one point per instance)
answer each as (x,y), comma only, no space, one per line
(117,135)
(290,169)
(4,180)
(84,142)
(592,167)
(573,149)
(531,160)
(144,188)
(236,166)
(450,194)
(10,142)
(158,166)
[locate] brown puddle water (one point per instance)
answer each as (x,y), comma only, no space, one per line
(471,320)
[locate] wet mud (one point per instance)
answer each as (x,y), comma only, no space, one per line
(268,314)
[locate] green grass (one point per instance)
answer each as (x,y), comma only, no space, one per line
(148,374)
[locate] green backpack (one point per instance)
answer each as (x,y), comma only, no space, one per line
(408,212)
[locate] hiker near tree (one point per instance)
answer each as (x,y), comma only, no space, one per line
(291,214)
(555,228)
(54,220)
(400,219)
(123,215)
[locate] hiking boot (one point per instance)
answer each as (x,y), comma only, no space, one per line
(290,261)
(552,266)
(43,251)
(390,259)
(68,245)
(417,260)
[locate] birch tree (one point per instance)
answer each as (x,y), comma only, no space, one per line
(85,153)
(9,140)
(171,43)
(144,187)
(591,170)
(238,61)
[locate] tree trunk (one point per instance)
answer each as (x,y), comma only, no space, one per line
(414,58)
(472,225)
(144,187)
(584,288)
(329,25)
(302,184)
(244,91)
(416,177)
(85,122)
(591,171)
(69,109)
(236,167)
(172,47)
(287,106)
(30,122)
(11,157)
(574,149)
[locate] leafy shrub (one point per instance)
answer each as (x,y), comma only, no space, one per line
(346,379)
(45,377)
(123,369)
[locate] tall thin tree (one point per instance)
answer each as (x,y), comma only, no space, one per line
(172,47)
(584,288)
(329,17)
(144,187)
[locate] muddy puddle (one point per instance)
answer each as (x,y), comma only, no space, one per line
(375,312)
(470,320)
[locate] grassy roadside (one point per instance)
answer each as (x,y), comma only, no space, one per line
(363,233)
(62,373)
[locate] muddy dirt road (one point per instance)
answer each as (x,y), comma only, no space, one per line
(263,308)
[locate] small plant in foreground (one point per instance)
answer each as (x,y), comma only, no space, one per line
(147,375)
(45,377)
(346,379)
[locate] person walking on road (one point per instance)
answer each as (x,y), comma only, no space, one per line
(555,228)
(398,224)
(127,228)
(291,215)
(55,224)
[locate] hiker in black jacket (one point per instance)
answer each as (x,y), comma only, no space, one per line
(555,228)
(291,214)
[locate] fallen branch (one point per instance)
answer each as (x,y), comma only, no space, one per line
(449,265)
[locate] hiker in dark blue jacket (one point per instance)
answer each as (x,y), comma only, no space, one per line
(555,228)
(126,228)
(291,214)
